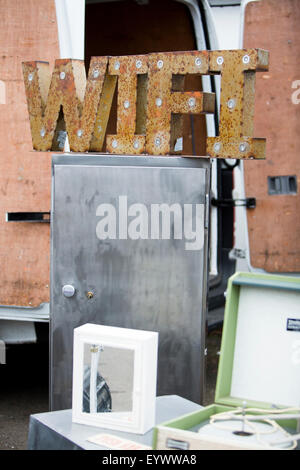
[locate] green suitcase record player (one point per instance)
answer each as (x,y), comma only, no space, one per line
(257,399)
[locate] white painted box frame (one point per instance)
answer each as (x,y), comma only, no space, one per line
(144,345)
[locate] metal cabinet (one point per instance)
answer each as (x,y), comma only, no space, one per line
(129,248)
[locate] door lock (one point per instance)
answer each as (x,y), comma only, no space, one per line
(68,290)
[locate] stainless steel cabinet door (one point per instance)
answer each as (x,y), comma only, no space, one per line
(129,249)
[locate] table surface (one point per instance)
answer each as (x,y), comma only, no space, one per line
(55,430)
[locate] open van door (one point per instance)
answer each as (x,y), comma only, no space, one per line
(274,224)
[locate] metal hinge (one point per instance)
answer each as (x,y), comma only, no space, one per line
(2,352)
(237,253)
(43,217)
(249,202)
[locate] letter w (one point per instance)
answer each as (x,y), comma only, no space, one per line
(69,101)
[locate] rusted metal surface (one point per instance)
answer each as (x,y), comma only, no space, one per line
(103,113)
(237,69)
(127,68)
(70,89)
(151,101)
(162,101)
(274,225)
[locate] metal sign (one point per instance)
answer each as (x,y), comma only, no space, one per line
(150,93)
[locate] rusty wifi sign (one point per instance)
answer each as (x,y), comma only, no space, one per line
(150,93)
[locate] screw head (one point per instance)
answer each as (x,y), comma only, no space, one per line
(160,64)
(30,77)
(62,75)
(126,104)
(42,132)
(158,101)
(192,102)
(96,73)
(198,61)
(246,59)
(135,144)
(79,132)
(243,147)
(157,141)
(114,144)
(138,64)
(117,65)
(217,147)
(231,103)
(99,128)
(220,60)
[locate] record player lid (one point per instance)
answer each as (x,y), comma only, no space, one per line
(260,351)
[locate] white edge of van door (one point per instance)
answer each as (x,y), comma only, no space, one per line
(241,239)
(70,15)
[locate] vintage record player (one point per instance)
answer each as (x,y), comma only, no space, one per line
(257,399)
